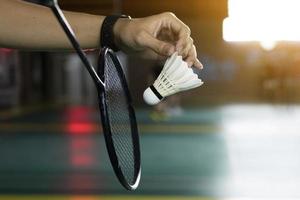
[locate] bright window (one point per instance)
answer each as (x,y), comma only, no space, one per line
(266,21)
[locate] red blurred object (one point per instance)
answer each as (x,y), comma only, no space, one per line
(81,128)
(80,182)
(78,113)
(79,120)
(81,149)
(81,143)
(82,160)
(7,51)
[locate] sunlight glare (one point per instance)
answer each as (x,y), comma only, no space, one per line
(265,21)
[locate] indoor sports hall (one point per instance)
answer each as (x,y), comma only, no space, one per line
(236,137)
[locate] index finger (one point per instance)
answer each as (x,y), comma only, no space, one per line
(176,25)
(182,31)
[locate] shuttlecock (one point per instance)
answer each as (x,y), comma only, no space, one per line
(175,76)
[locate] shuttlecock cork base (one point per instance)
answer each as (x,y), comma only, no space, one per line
(152,96)
(175,76)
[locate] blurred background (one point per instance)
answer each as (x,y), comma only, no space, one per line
(237,137)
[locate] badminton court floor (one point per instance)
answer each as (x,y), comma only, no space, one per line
(234,152)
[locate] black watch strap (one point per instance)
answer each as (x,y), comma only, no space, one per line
(107,36)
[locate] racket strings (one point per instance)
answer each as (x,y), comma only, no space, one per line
(120,123)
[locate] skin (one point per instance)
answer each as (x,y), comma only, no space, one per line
(25,25)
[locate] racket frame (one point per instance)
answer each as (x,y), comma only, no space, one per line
(102,103)
(106,123)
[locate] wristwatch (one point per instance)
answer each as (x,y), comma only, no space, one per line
(107,38)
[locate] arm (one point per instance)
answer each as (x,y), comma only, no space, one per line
(31,26)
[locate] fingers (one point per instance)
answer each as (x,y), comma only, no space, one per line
(185,44)
(183,32)
(185,47)
(189,53)
(192,59)
(171,21)
(164,34)
(158,46)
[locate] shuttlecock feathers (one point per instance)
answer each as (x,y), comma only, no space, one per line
(175,76)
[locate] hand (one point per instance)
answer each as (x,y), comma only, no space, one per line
(156,36)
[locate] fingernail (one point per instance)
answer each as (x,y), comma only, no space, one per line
(200,64)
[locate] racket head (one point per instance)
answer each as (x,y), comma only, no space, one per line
(118,120)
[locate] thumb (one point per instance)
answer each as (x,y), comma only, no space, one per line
(158,46)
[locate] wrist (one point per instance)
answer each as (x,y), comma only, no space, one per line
(119,30)
(111,30)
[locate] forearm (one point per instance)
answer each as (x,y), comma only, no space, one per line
(29,26)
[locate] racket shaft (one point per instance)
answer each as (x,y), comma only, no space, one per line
(68,30)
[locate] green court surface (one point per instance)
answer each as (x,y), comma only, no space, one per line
(233,152)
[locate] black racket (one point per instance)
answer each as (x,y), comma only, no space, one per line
(117,113)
